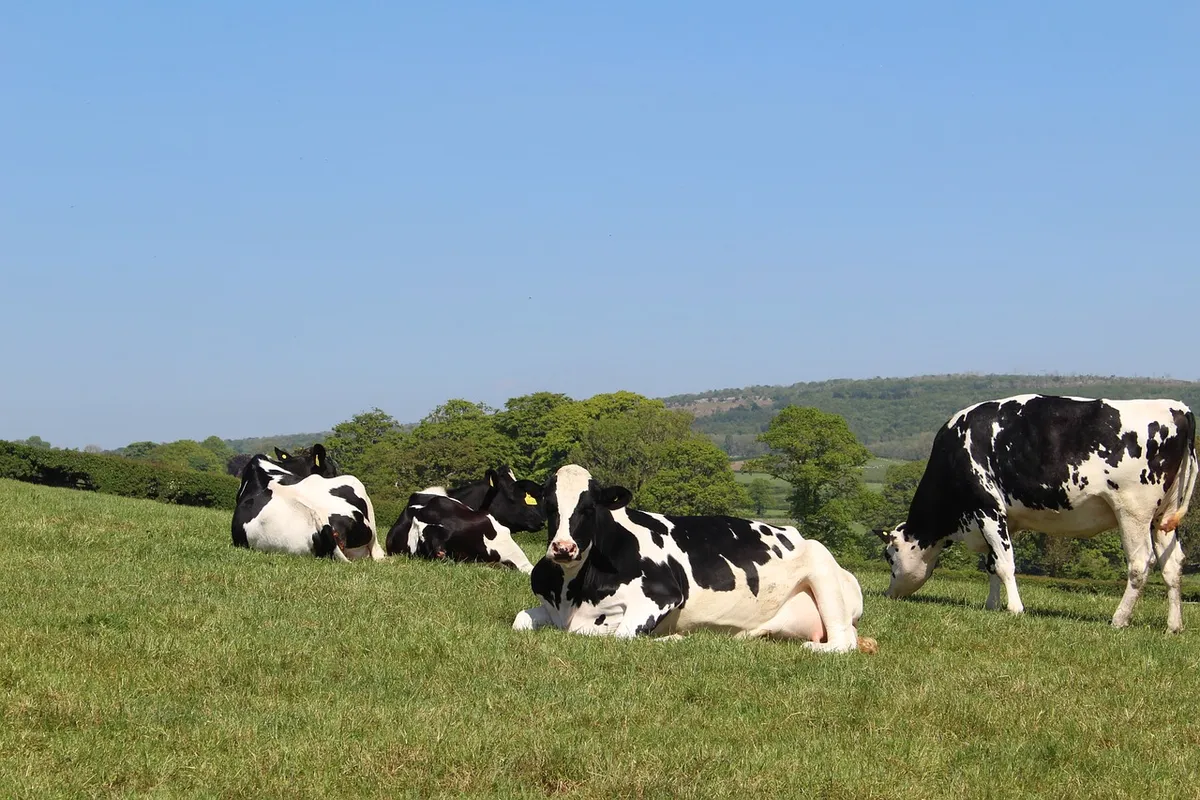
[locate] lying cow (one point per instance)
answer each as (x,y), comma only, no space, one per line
(471,523)
(1060,465)
(610,570)
(290,506)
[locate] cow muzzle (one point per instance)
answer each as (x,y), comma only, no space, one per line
(563,551)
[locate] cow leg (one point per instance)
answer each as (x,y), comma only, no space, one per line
(641,618)
(1170,561)
(823,579)
(508,552)
(993,598)
(1001,560)
(531,619)
(1135,538)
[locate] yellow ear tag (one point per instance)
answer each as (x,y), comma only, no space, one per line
(530,500)
(283,456)
(490,482)
(316,461)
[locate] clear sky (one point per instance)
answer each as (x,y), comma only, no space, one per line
(256,218)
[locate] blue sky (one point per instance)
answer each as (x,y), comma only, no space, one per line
(256,218)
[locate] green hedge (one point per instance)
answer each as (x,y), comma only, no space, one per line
(116,475)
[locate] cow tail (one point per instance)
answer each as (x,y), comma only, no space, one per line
(1180,492)
(867,645)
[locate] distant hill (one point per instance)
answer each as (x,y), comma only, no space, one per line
(288,441)
(896,417)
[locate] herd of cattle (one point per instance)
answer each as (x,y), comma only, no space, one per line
(1060,465)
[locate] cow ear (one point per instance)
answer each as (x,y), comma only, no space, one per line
(884,536)
(491,476)
(614,497)
(318,456)
(318,450)
(529,491)
(281,454)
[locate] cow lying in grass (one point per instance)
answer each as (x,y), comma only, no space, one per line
(1064,466)
(291,506)
(470,523)
(610,570)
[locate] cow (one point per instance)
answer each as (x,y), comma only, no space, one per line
(291,506)
(1065,466)
(470,523)
(614,571)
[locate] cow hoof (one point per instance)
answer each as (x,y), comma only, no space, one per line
(523,622)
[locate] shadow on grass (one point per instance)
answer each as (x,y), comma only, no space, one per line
(1048,613)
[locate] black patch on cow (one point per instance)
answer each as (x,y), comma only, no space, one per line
(1113,484)
(253,495)
(323,542)
(505,501)
(657,529)
(665,584)
(1039,444)
(775,549)
(785,541)
(600,619)
(711,544)
(452,530)
(546,581)
(353,529)
(647,627)
(348,494)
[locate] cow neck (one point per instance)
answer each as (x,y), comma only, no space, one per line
(486,503)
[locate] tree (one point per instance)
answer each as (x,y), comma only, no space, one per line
(693,477)
(457,442)
(237,463)
(567,423)
(36,441)
(350,439)
(759,491)
(817,454)
(627,449)
(526,421)
(185,454)
(219,448)
(93,448)
(137,450)
(899,485)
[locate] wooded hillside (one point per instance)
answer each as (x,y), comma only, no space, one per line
(895,417)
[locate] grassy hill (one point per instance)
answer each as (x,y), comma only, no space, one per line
(896,417)
(140,654)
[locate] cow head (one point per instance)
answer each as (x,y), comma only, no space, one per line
(514,503)
(310,461)
(574,501)
(911,564)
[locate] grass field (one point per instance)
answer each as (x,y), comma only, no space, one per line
(140,654)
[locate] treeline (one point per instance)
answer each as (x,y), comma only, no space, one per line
(895,417)
(622,437)
(110,474)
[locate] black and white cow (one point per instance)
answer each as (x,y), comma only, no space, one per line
(471,523)
(1060,465)
(610,570)
(290,506)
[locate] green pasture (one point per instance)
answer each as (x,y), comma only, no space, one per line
(142,655)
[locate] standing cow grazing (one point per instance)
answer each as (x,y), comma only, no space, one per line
(610,570)
(1064,466)
(474,522)
(299,505)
